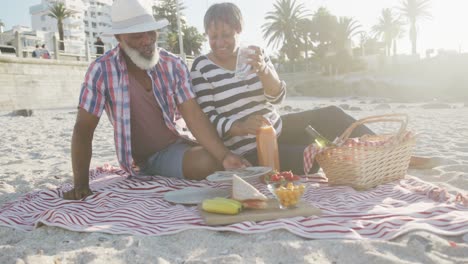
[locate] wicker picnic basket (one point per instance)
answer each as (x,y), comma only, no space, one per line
(374,160)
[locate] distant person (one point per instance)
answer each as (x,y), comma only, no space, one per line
(99,44)
(44,52)
(37,52)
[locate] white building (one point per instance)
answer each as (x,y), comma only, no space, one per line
(29,38)
(89,19)
(97,17)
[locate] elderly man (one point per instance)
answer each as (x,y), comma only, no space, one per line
(144,90)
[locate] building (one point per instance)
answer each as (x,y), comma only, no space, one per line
(97,17)
(29,38)
(89,19)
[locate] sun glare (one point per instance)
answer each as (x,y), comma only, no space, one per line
(444,31)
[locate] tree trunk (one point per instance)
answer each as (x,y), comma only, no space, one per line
(305,48)
(60,31)
(306,51)
(413,36)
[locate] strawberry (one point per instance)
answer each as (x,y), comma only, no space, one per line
(275,177)
(288,175)
(280,177)
(270,178)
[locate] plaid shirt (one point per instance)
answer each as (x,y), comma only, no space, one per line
(106,87)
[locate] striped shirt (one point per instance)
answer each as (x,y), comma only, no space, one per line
(226,99)
(106,87)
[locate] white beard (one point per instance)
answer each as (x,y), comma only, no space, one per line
(140,61)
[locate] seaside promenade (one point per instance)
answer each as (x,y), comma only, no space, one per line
(27,83)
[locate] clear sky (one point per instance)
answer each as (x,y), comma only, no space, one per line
(447,29)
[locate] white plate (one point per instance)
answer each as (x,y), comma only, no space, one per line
(195,195)
(247,173)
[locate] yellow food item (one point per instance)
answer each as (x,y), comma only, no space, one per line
(221,206)
(289,195)
(235,202)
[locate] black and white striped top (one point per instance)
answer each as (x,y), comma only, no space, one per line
(225,99)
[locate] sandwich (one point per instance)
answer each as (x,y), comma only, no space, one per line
(248,195)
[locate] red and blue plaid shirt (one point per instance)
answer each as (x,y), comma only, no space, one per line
(106,87)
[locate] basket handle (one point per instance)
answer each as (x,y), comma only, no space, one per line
(400,118)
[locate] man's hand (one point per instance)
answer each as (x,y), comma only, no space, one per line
(77,193)
(232,161)
(248,126)
(81,150)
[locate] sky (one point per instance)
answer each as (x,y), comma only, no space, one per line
(446,30)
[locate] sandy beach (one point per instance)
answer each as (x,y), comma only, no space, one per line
(36,156)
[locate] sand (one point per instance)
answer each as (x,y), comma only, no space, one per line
(35,155)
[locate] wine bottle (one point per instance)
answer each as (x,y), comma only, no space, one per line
(319,139)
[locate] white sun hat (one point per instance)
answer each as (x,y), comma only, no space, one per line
(133,16)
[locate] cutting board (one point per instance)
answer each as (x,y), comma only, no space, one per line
(270,213)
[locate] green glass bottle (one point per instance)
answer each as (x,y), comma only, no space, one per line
(319,139)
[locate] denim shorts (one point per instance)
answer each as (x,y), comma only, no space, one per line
(167,162)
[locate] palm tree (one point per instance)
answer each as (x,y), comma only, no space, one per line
(346,29)
(60,12)
(168,9)
(192,39)
(172,42)
(325,24)
(305,30)
(363,38)
(281,27)
(388,30)
(414,10)
(369,45)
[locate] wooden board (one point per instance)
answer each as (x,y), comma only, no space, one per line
(270,213)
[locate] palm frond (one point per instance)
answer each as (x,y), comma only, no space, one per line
(59,11)
(282,27)
(415,9)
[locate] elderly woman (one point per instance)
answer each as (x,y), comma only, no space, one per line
(238,107)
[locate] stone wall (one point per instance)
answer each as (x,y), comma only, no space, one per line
(39,83)
(48,84)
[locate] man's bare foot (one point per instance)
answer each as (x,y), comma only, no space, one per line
(421,163)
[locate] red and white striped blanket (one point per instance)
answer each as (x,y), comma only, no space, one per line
(122,205)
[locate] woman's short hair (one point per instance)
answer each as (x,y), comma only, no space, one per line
(227,13)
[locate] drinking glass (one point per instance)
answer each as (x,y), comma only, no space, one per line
(243,69)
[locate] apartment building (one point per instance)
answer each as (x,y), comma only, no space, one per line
(89,19)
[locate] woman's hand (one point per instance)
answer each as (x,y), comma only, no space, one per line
(268,76)
(257,60)
(232,161)
(248,126)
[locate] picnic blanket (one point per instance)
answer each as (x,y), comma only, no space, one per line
(128,205)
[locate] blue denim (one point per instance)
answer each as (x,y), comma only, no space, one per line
(167,162)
